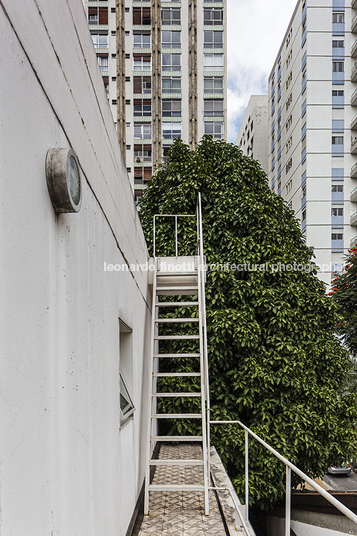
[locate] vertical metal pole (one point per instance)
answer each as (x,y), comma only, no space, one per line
(176,236)
(288,501)
(154,236)
(246,437)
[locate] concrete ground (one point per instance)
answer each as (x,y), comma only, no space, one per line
(341,483)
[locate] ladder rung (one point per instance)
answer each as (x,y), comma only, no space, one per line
(176,304)
(176,337)
(178,487)
(174,439)
(175,320)
(177,416)
(175,395)
(176,355)
(176,462)
(175,374)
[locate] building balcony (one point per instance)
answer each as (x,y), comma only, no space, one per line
(354,123)
(353,195)
(353,4)
(354,50)
(353,172)
(354,145)
(354,24)
(303,201)
(354,72)
(353,219)
(353,242)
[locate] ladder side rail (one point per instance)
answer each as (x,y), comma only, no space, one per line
(152,378)
(206,473)
(205,343)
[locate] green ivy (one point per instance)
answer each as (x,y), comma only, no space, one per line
(274,360)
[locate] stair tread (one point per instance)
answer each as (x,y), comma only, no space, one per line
(176,462)
(177,487)
(176,304)
(176,415)
(176,337)
(176,438)
(175,395)
(175,320)
(176,374)
(177,287)
(176,355)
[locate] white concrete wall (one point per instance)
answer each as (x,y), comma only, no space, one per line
(66,468)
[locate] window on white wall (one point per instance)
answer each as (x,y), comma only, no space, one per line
(213,62)
(127,407)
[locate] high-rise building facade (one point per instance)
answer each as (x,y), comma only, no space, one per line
(252,135)
(165,71)
(313,123)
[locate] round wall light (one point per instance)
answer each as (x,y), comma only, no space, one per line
(64,180)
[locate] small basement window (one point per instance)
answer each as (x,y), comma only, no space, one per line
(126,404)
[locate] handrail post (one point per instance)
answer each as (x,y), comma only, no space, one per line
(176,239)
(246,438)
(154,236)
(288,501)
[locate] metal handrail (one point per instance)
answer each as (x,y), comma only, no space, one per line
(289,467)
(169,216)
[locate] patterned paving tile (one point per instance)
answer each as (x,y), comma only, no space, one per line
(180,513)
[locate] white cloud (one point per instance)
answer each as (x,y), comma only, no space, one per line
(256,29)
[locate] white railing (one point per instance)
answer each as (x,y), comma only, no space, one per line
(289,467)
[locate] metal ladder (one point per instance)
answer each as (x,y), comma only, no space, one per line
(179,282)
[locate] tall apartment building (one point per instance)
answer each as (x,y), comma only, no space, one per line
(165,71)
(313,123)
(252,135)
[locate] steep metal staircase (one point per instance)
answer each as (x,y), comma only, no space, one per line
(178,276)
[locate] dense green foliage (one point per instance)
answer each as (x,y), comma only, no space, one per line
(275,363)
(344,293)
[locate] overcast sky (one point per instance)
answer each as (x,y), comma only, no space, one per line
(255,31)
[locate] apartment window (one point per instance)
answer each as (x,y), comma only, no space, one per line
(141,40)
(128,147)
(213,62)
(142,84)
(142,107)
(336,236)
(142,131)
(213,85)
(214,129)
(289,186)
(171,131)
(338,93)
(337,188)
(127,56)
(213,15)
(288,166)
(337,140)
(336,211)
(338,66)
(212,39)
(338,44)
(289,122)
(100,41)
(171,108)
(103,63)
(170,39)
(279,172)
(272,164)
(171,62)
(303,215)
(289,80)
(127,10)
(289,101)
(338,18)
(142,153)
(288,39)
(170,17)
(142,63)
(141,16)
(142,174)
(93,18)
(289,144)
(213,108)
(171,85)
(289,58)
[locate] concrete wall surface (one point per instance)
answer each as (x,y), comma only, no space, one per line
(66,466)
(305,523)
